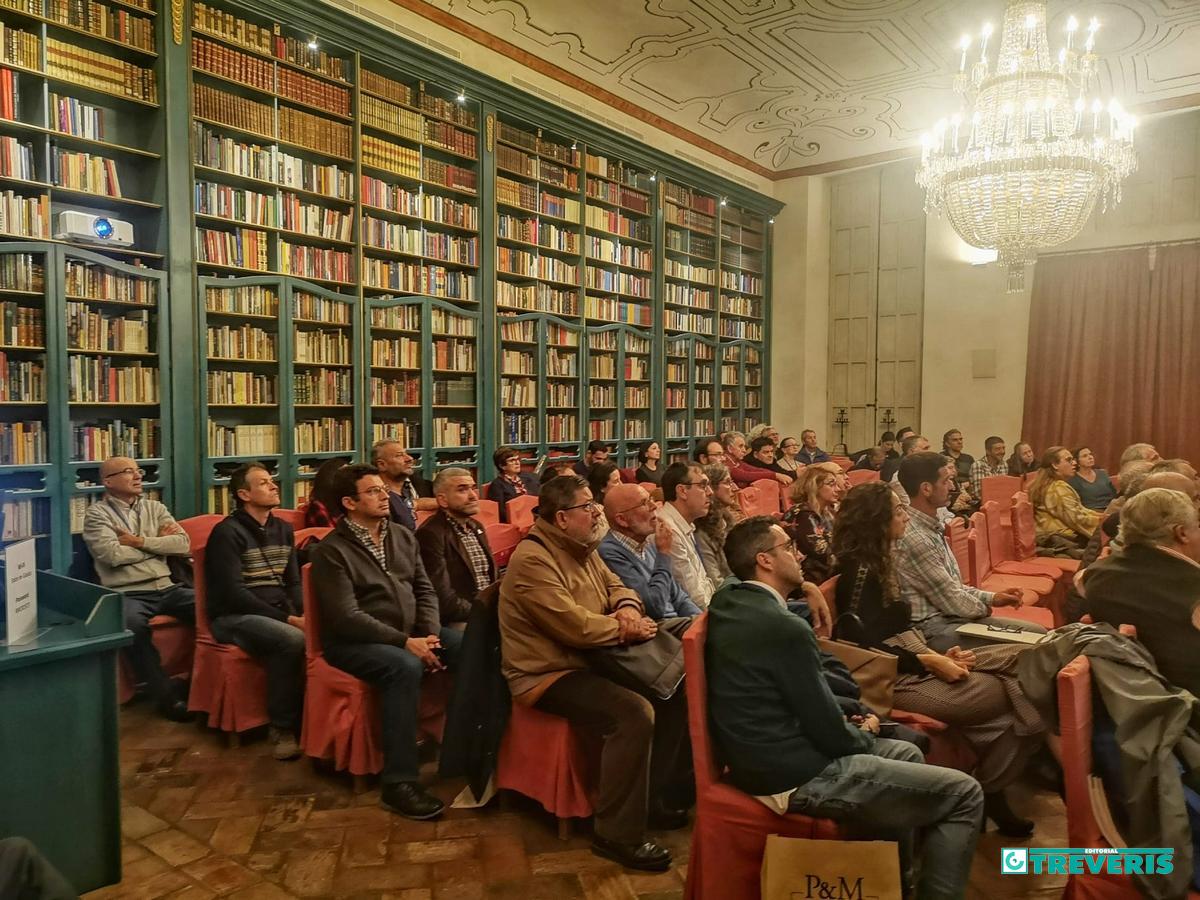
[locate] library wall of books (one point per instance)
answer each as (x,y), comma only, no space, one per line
(297,249)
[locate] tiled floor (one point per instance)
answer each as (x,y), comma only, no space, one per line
(202,820)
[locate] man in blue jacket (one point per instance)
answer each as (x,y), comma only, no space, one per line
(785,740)
(642,564)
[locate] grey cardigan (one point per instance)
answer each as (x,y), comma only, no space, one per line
(130,569)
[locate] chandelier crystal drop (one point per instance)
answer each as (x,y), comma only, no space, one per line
(1021,166)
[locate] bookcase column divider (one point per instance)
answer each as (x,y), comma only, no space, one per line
(428,458)
(57,395)
(286,350)
(184,313)
(658,343)
(489,419)
(764,345)
(361,315)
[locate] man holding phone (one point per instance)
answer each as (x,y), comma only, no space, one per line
(380,623)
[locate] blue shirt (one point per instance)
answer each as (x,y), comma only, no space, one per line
(649,575)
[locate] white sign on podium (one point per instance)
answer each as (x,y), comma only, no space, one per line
(20,583)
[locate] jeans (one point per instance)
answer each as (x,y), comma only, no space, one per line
(142,606)
(281,646)
(892,791)
(397,675)
(941,631)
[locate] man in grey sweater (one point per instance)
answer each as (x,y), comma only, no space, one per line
(130,538)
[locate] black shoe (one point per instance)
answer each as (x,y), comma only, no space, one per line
(666,819)
(174,709)
(647,857)
(1008,823)
(410,800)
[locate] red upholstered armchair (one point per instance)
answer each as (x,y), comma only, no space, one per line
(731,827)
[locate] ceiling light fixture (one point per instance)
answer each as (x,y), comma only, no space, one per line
(1022,165)
(312,43)
(722,201)
(462,96)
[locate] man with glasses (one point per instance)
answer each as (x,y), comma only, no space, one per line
(557,600)
(687,496)
(252,589)
(710,452)
(380,622)
(786,741)
(643,564)
(130,538)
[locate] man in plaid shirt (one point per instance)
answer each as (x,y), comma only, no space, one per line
(930,580)
(992,463)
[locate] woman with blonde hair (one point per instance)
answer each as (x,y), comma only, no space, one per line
(1064,524)
(810,521)
(722,515)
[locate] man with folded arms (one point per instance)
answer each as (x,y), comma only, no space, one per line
(559,600)
(130,538)
(785,740)
(380,623)
(252,586)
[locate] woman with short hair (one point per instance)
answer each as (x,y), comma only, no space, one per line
(511,482)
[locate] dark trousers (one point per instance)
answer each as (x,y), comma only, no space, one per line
(281,647)
(142,606)
(644,759)
(397,675)
(26,875)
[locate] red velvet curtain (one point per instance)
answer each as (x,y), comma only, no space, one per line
(1114,352)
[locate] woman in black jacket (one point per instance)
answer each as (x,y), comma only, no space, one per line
(511,483)
(987,707)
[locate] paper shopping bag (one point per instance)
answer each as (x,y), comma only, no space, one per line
(800,869)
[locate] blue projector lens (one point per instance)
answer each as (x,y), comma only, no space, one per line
(102,227)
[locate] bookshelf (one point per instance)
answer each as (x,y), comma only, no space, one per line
(80,122)
(619,248)
(690,269)
(540,368)
(689,393)
(619,393)
(742,305)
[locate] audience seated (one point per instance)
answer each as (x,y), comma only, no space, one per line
(511,482)
(454,547)
(1064,525)
(762,456)
(1154,582)
(976,692)
(872,460)
(558,600)
(989,465)
(1023,460)
(252,590)
(380,623)
(929,578)
(952,447)
(650,468)
(810,453)
(322,509)
(710,452)
(553,468)
(595,452)
(1134,452)
(408,492)
(912,443)
(740,468)
(809,522)
(713,526)
(783,736)
(687,497)
(1094,487)
(887,444)
(130,538)
(787,455)
(642,564)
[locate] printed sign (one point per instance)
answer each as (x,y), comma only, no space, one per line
(20,577)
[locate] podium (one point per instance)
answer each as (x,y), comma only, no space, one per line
(60,778)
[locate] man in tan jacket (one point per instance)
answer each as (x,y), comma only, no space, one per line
(558,599)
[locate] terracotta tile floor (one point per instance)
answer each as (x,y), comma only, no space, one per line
(203,820)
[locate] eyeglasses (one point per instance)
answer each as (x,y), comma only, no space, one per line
(376,491)
(141,472)
(789,546)
(704,485)
(591,505)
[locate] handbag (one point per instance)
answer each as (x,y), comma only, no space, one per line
(653,667)
(873,670)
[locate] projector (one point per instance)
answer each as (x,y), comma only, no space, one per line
(78,226)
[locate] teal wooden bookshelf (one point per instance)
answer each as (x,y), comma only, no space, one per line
(690,390)
(619,379)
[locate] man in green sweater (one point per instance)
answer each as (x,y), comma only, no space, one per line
(783,736)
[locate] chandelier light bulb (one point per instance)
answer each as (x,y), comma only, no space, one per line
(1072,25)
(312,43)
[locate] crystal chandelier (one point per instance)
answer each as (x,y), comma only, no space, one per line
(1022,165)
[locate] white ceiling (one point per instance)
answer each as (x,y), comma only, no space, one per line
(787,84)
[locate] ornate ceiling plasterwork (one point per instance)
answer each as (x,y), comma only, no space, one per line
(787,84)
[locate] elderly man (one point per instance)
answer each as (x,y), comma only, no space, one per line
(740,470)
(454,545)
(930,581)
(407,491)
(380,623)
(1134,452)
(1153,583)
(786,741)
(130,538)
(643,564)
(810,453)
(557,600)
(687,496)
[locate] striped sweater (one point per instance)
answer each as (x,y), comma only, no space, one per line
(251,569)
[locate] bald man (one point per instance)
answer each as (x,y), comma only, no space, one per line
(130,538)
(642,564)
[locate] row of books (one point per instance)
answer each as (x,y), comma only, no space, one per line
(432,104)
(85,172)
(446,323)
(450,433)
(250,300)
(20,47)
(99,379)
(315,220)
(615,222)
(20,519)
(618,282)
(24,443)
(410,278)
(242,440)
(21,326)
(100,71)
(319,346)
(741,306)
(689,218)
(632,200)
(609,309)
(537,298)
(241,388)
(252,71)
(10,98)
(316,133)
(89,329)
(733,255)
(321,263)
(137,439)
(607,250)
(24,216)
(741,282)
(396,353)
(323,387)
(268,41)
(403,431)
(236,112)
(686,295)
(95,18)
(674,268)
(74,117)
(744,236)
(691,244)
(741,329)
(511,134)
(268,163)
(510,159)
(324,435)
(22,380)
(320,309)
(16,159)
(236,204)
(454,392)
(241,342)
(396,318)
(517,362)
(321,95)
(618,171)
(405,391)
(685,197)
(242,247)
